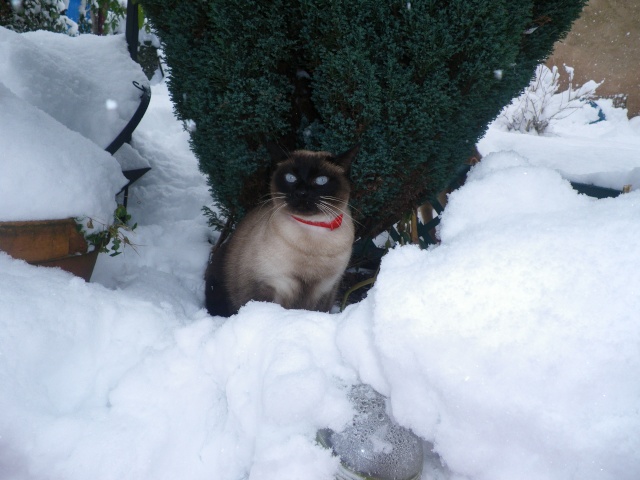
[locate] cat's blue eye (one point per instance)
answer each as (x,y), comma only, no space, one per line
(322,180)
(290,177)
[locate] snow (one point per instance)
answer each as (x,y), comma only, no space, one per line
(604,153)
(512,348)
(61,175)
(50,84)
(523,352)
(83,82)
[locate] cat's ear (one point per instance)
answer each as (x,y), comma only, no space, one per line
(346,158)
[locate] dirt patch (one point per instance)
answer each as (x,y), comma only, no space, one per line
(604,44)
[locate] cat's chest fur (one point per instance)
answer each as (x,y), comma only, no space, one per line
(309,253)
(302,263)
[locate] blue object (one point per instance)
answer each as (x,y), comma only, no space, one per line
(73,11)
(601,115)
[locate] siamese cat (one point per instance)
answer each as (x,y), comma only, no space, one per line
(294,248)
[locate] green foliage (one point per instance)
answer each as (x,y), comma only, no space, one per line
(102,17)
(225,58)
(415,83)
(112,237)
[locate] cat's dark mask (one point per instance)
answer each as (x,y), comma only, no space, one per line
(313,182)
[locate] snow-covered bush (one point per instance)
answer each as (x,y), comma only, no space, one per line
(100,17)
(31,15)
(540,103)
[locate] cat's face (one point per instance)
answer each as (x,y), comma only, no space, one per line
(310,183)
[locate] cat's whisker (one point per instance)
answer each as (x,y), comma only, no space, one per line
(329,209)
(268,207)
(270,211)
(270,202)
(276,210)
(329,197)
(341,206)
(265,214)
(333,211)
(357,210)
(275,196)
(271,198)
(345,211)
(263,203)
(333,200)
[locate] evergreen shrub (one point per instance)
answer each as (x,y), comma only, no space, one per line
(415,83)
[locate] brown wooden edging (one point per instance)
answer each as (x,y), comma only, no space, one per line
(50,243)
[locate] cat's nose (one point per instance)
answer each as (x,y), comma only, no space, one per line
(301,194)
(302,201)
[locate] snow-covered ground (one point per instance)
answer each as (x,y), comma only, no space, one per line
(512,348)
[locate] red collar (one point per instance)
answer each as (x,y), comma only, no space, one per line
(335,223)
